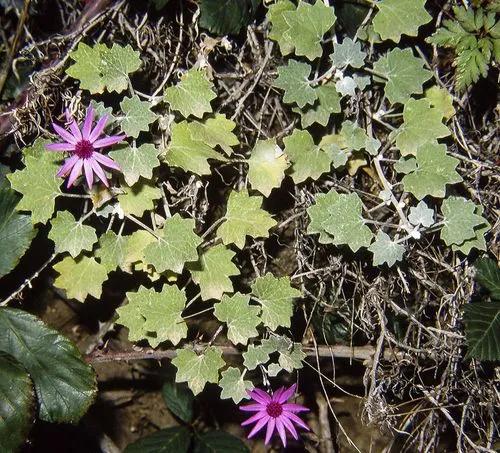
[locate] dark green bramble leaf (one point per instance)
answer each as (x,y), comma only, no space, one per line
(169,440)
(488,276)
(16,231)
(219,442)
(17,403)
(65,385)
(179,400)
(482,330)
(224,17)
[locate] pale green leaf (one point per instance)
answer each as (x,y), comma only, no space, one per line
(403,74)
(241,318)
(355,138)
(217,131)
(422,126)
(136,243)
(189,154)
(279,25)
(256,355)
(385,250)
(441,99)
(346,86)
(435,169)
(460,219)
(70,235)
(275,295)
(399,17)
(348,53)
(406,164)
(213,270)
(307,25)
(327,103)
(137,116)
(478,241)
(112,250)
(244,217)
(198,370)
(319,215)
(139,198)
(293,79)
(192,95)
(81,277)
(176,245)
(308,159)
(136,161)
(233,385)
(421,215)
(266,166)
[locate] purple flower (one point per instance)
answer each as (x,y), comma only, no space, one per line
(85,147)
(274,411)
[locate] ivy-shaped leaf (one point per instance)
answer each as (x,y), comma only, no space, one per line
(177,244)
(405,165)
(441,99)
(422,125)
(136,243)
(385,250)
(198,370)
(112,250)
(460,219)
(213,270)
(421,215)
(279,26)
(217,131)
(293,79)
(348,53)
(241,317)
(137,116)
(99,67)
(403,74)
(435,169)
(319,215)
(70,235)
(327,103)
(256,355)
(233,385)
(266,166)
(308,159)
(192,95)
(398,17)
(275,295)
(307,25)
(244,217)
(136,161)
(81,277)
(139,198)
(355,138)
(37,182)
(478,241)
(155,316)
(188,154)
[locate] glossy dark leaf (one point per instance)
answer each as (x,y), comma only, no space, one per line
(227,16)
(170,440)
(179,400)
(488,276)
(482,330)
(219,442)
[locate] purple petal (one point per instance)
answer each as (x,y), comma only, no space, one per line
(73,126)
(252,407)
(270,429)
(281,431)
(65,135)
(291,407)
(87,124)
(289,426)
(99,127)
(295,419)
(67,166)
(75,172)
(89,174)
(259,425)
(60,147)
(260,396)
(254,418)
(99,172)
(106,161)
(285,396)
(108,141)
(277,394)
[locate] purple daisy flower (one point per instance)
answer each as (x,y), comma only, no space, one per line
(274,411)
(85,147)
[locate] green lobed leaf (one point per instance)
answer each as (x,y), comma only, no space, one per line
(81,277)
(233,385)
(16,231)
(279,26)
(275,295)
(217,131)
(327,103)
(266,166)
(137,116)
(441,99)
(385,250)
(136,161)
(319,215)
(219,442)
(478,241)
(176,439)
(435,169)
(112,250)
(482,330)
(17,403)
(179,400)
(176,245)
(213,270)
(65,385)
(403,74)
(348,53)
(488,276)
(70,235)
(421,215)
(256,355)
(244,217)
(192,95)
(460,219)
(241,318)
(136,243)
(139,198)
(198,369)
(399,17)
(293,79)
